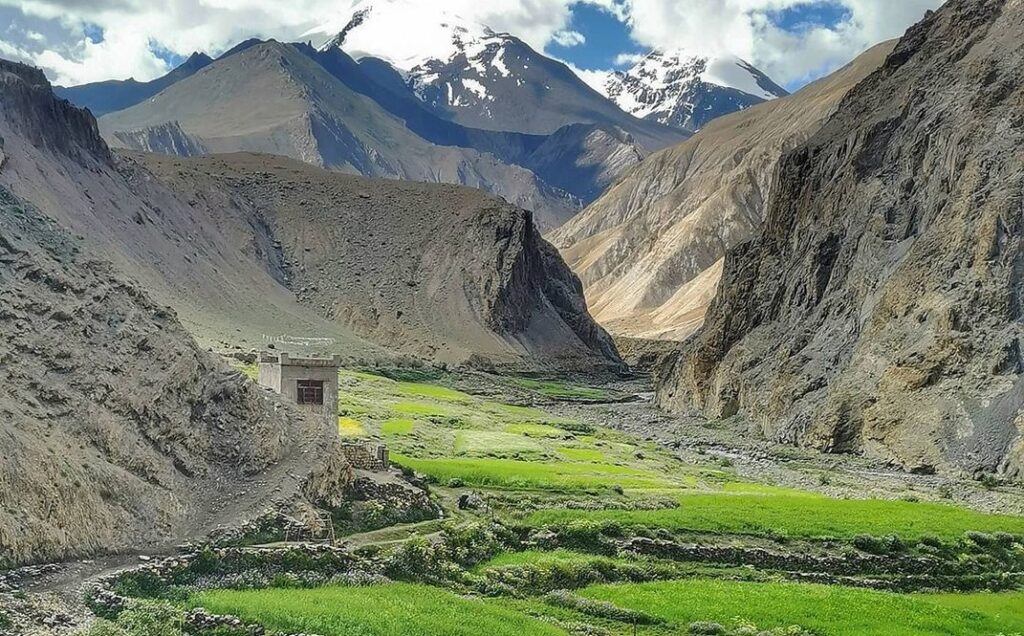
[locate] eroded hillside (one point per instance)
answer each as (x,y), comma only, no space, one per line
(384,259)
(879,310)
(118,431)
(650,250)
(445,272)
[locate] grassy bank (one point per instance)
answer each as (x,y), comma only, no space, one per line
(394,609)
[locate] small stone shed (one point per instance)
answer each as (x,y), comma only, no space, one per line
(312,383)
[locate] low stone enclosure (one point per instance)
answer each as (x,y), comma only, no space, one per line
(367,456)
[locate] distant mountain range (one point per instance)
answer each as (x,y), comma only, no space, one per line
(687,91)
(455,102)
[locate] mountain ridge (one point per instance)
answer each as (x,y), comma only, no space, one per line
(878,311)
(649,249)
(686,90)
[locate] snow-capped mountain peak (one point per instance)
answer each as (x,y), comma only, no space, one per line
(405,34)
(444,58)
(686,90)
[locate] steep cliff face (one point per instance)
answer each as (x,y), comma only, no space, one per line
(118,431)
(30,110)
(441,271)
(880,309)
(649,251)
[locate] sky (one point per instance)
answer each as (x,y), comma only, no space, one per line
(793,41)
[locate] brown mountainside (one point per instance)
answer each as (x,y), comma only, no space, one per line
(235,269)
(444,272)
(880,309)
(118,431)
(650,250)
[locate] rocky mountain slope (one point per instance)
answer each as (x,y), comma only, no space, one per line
(649,251)
(224,279)
(688,91)
(235,267)
(446,272)
(579,159)
(879,310)
(472,75)
(118,431)
(272,98)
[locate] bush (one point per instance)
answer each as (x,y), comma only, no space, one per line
(102,628)
(707,628)
(931,541)
(600,609)
(879,545)
(989,482)
(141,618)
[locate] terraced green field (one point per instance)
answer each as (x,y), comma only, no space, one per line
(545,472)
(802,516)
(400,609)
(452,436)
(393,609)
(826,610)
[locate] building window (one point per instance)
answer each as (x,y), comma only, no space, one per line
(310,392)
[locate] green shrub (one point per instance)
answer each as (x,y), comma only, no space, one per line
(989,482)
(141,618)
(600,609)
(706,628)
(102,627)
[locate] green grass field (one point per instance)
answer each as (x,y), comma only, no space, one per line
(393,609)
(798,516)
(547,470)
(562,390)
(516,474)
(827,610)
(450,435)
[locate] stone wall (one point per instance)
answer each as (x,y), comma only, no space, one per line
(367,456)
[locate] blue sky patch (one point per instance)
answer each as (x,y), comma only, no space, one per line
(824,13)
(93,33)
(607,37)
(170,58)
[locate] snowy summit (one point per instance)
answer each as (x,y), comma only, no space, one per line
(686,90)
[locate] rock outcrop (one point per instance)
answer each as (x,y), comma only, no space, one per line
(441,271)
(649,250)
(880,309)
(118,431)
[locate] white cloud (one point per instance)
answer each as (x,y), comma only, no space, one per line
(628,59)
(134,29)
(745,28)
(597,80)
(568,38)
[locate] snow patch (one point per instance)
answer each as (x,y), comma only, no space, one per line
(732,72)
(476,88)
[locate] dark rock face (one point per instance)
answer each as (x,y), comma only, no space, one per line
(27,103)
(880,310)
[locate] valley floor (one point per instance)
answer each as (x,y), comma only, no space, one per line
(571,507)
